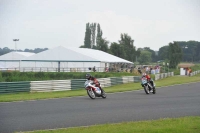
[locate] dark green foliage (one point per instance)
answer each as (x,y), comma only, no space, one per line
(39,76)
(7,74)
(197,53)
(36,50)
(103,45)
(145,57)
(127,42)
(195,67)
(117,50)
(153,54)
(93,33)
(99,35)
(190,50)
(87,40)
(175,54)
(163,53)
(6,50)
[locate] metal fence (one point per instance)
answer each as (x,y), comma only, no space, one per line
(194,73)
(163,75)
(60,85)
(14,87)
(64,69)
(63,85)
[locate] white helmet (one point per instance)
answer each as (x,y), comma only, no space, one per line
(144,74)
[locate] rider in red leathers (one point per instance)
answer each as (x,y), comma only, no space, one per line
(148,78)
(95,81)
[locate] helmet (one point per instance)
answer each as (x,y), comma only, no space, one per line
(144,74)
(88,76)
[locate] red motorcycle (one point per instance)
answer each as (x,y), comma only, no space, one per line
(94,91)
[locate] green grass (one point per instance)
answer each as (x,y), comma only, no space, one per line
(82,92)
(167,125)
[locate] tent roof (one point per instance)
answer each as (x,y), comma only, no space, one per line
(100,55)
(15,55)
(72,54)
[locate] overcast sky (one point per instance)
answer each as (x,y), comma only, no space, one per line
(51,23)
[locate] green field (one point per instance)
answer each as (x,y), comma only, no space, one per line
(81,92)
(167,125)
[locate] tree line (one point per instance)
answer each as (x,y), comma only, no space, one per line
(124,48)
(6,50)
(173,53)
(180,51)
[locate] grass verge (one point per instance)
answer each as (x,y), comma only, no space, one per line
(81,92)
(168,125)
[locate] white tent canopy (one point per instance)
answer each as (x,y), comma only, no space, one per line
(100,55)
(12,60)
(15,56)
(74,59)
(71,54)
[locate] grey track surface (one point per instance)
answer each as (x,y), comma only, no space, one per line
(170,102)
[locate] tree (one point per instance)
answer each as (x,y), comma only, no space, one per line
(117,50)
(36,50)
(175,54)
(153,54)
(145,57)
(5,50)
(137,53)
(93,33)
(127,42)
(103,45)
(99,34)
(163,53)
(87,40)
(197,53)
(189,50)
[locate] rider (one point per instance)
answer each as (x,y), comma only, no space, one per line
(148,78)
(95,81)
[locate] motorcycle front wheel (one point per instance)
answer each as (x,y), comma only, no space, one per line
(103,94)
(154,90)
(91,94)
(146,89)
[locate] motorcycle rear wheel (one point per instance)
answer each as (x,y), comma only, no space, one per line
(146,89)
(91,94)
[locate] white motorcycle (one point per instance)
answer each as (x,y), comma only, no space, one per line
(94,91)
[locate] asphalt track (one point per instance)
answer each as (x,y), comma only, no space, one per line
(169,102)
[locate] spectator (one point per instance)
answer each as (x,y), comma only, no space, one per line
(189,71)
(139,70)
(106,69)
(150,70)
(147,69)
(94,70)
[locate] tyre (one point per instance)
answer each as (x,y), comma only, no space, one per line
(103,94)
(146,89)
(154,90)
(91,94)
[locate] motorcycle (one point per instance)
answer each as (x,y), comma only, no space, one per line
(148,87)
(94,91)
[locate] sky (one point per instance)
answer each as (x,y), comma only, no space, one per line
(52,23)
